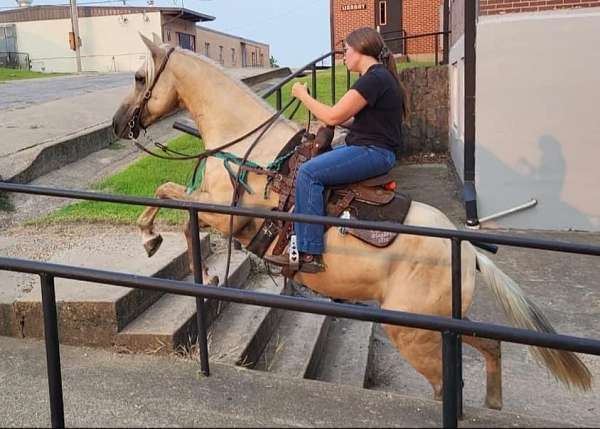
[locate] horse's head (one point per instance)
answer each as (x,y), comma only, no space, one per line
(153,95)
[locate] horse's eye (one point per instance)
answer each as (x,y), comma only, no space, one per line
(139,78)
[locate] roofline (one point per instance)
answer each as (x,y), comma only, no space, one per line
(243,39)
(203,17)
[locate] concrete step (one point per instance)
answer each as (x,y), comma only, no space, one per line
(296,347)
(241,332)
(104,389)
(91,313)
(170,324)
(346,352)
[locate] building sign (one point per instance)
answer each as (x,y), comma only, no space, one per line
(356,6)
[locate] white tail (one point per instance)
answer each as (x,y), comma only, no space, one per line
(523,313)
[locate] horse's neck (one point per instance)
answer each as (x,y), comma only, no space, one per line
(224,109)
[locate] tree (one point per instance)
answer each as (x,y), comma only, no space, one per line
(273,62)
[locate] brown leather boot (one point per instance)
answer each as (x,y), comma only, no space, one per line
(308,263)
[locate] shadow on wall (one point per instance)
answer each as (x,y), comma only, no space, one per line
(501,187)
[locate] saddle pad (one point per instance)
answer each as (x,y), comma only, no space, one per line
(394,211)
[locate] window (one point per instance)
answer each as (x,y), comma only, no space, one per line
(457,97)
(233,56)
(253,59)
(168,36)
(221,59)
(262,59)
(187,41)
(207,49)
(382,13)
(454,94)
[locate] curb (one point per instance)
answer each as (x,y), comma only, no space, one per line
(53,155)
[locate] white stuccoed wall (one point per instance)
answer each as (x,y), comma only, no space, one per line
(109,43)
(538,118)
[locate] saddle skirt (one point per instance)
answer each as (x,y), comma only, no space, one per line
(372,199)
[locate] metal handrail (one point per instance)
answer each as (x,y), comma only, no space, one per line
(421,35)
(297,73)
(472,236)
(417,36)
(308,305)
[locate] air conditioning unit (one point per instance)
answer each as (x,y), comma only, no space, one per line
(24,3)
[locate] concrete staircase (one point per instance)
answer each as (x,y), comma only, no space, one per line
(90,313)
(169,325)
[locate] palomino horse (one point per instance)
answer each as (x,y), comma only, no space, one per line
(413,274)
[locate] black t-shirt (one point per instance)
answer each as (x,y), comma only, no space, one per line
(379,123)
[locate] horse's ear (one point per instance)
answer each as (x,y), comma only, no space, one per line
(154,49)
(156,39)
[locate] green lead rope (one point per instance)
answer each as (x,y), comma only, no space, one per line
(196,180)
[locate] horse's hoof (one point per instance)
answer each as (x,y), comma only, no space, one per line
(494,404)
(152,245)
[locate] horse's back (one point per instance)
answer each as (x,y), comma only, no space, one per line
(421,214)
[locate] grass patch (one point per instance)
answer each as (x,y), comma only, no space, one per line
(5,203)
(12,74)
(139,179)
(324,87)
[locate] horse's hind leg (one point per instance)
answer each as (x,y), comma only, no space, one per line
(145,222)
(491,351)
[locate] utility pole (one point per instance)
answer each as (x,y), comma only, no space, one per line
(75,25)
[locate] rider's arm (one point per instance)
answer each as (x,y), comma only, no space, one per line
(348,106)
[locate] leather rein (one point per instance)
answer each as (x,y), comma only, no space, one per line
(135,124)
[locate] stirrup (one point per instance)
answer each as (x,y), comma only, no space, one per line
(294,253)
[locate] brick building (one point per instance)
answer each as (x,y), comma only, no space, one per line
(499,7)
(392,18)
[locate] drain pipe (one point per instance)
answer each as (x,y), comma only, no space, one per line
(469,192)
(522,207)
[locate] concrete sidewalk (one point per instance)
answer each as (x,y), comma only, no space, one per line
(39,138)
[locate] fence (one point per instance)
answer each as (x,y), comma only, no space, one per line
(450,328)
(15,60)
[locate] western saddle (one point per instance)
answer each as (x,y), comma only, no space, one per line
(372,199)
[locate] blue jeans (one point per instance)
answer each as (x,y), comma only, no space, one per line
(344,164)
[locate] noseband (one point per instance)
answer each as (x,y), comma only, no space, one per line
(135,122)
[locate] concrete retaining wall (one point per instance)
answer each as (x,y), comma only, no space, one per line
(426,129)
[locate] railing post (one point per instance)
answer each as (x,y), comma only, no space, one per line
(449,373)
(446,42)
(314,80)
(457,314)
(347,78)
(437,49)
(333,78)
(57,411)
(278,99)
(200,307)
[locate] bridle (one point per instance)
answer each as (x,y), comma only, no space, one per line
(135,123)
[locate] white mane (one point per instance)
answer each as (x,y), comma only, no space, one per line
(241,85)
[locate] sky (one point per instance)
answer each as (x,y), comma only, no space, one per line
(296,30)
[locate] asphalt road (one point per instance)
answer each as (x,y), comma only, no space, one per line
(25,93)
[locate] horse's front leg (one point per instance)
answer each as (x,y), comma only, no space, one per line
(145,222)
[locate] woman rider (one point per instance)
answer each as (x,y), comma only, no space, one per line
(377,102)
